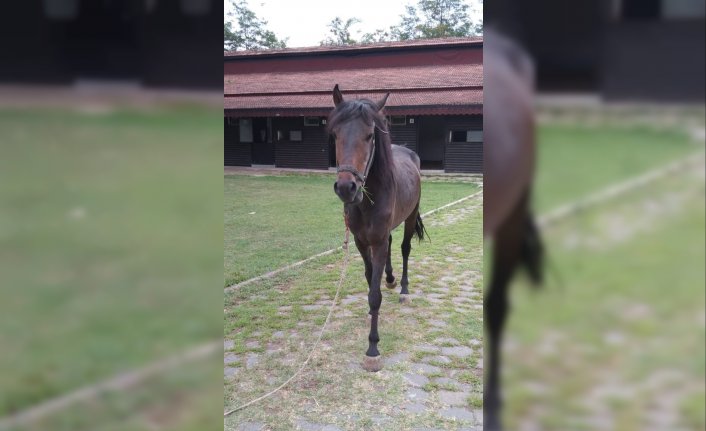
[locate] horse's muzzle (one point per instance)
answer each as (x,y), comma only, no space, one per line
(346,190)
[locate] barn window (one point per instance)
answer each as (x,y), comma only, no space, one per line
(683,9)
(61,9)
(656,9)
(458,135)
(195,7)
(295,135)
(311,121)
(641,9)
(245,129)
(474,136)
(398,120)
(466,136)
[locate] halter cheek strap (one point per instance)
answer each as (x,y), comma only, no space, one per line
(354,171)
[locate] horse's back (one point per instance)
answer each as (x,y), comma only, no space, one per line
(400,152)
(508,128)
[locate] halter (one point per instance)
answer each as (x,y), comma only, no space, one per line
(354,171)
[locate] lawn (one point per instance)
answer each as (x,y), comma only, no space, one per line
(110,233)
(619,343)
(576,160)
(622,339)
(272,221)
(269,327)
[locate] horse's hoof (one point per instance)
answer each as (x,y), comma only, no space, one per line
(372,363)
(391,285)
(405,298)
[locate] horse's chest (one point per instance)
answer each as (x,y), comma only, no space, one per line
(370,230)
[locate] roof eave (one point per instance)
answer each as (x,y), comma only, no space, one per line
(470,109)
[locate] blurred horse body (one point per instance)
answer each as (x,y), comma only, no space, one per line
(509,159)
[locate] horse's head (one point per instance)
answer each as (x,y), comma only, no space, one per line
(352,125)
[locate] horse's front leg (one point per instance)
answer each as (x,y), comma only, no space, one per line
(365,254)
(378,256)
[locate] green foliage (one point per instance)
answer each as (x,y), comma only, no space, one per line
(408,28)
(379,35)
(340,31)
(244,30)
(431,19)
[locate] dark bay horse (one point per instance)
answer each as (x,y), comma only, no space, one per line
(380,186)
(509,156)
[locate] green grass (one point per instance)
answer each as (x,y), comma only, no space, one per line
(109,231)
(333,389)
(272,221)
(576,160)
(630,307)
(182,399)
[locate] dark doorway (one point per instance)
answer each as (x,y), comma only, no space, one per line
(263,148)
(101,40)
(331,152)
(430,145)
(641,9)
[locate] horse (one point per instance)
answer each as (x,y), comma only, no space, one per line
(380,187)
(508,220)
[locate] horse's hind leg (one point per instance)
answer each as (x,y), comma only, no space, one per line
(389,278)
(507,249)
(409,226)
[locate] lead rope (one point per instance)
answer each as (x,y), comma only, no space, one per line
(323,328)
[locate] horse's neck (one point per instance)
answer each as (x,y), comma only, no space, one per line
(380,188)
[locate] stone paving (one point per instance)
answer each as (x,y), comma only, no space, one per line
(440,373)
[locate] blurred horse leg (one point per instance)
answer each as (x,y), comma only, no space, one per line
(507,255)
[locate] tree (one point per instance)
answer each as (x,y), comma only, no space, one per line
(341,32)
(429,19)
(435,19)
(378,35)
(249,31)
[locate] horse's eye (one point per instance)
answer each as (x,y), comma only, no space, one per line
(370,136)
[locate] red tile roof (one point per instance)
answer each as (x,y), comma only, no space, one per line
(412,44)
(415,89)
(384,78)
(437,101)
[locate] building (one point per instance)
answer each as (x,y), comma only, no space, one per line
(623,50)
(276,101)
(152,43)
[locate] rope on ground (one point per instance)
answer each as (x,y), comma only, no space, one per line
(314,349)
(618,189)
(120,382)
(452,203)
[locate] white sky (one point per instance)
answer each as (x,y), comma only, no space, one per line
(305,22)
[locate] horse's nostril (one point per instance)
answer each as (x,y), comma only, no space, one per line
(353,186)
(335,187)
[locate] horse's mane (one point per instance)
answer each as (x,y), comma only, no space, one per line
(367,110)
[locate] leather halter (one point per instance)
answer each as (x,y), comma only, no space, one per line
(354,171)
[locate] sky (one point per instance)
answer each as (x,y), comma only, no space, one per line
(305,22)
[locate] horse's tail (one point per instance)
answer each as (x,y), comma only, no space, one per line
(419,228)
(532,252)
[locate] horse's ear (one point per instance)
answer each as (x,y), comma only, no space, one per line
(337,96)
(381,103)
